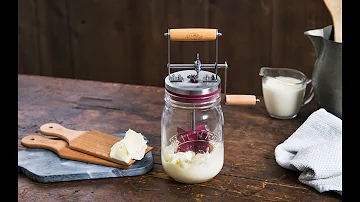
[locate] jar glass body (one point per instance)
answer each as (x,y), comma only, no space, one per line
(192,141)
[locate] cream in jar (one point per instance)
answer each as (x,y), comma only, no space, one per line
(189,167)
(193,156)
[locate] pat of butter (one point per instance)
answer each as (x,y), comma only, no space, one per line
(132,146)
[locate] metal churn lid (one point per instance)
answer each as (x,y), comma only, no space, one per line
(195,82)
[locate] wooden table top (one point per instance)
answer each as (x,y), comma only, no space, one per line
(250,172)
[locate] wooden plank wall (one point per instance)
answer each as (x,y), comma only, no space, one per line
(123,41)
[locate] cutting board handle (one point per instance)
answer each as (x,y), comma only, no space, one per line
(57,130)
(36,141)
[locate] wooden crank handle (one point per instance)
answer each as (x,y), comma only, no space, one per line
(193,34)
(57,130)
(241,100)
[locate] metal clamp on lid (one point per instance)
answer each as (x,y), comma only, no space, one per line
(200,82)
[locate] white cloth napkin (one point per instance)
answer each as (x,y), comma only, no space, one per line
(315,148)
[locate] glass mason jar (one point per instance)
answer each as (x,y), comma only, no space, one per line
(192,141)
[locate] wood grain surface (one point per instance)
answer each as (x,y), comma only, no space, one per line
(123,40)
(250,172)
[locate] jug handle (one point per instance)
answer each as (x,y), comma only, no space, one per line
(310,95)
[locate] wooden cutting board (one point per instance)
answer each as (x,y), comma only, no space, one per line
(91,142)
(61,148)
(45,166)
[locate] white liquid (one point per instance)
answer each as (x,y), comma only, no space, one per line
(281,99)
(186,167)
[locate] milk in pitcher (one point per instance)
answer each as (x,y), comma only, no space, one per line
(283,96)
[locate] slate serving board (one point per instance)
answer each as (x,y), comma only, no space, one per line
(45,166)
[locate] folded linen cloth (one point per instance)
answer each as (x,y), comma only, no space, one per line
(315,148)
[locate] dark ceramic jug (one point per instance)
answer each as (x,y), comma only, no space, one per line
(327,72)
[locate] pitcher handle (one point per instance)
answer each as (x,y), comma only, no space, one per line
(310,95)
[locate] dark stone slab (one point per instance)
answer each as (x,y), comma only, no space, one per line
(45,166)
